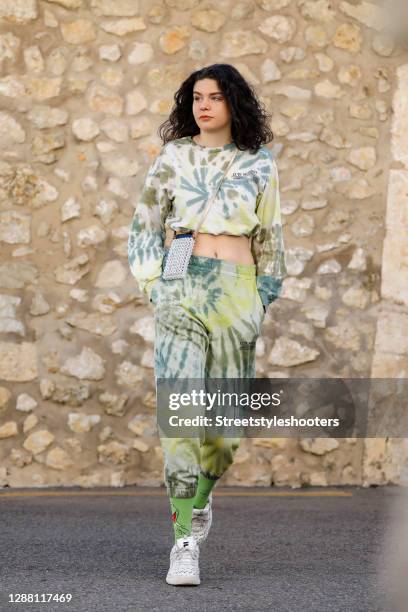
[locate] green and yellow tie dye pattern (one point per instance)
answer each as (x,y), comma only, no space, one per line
(206,326)
(177,187)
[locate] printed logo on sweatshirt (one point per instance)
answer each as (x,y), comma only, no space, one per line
(249,174)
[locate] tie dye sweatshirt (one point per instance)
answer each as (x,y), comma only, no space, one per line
(176,190)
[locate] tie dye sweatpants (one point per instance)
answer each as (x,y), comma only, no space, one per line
(206,326)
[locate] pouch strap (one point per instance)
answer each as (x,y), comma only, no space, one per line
(211,200)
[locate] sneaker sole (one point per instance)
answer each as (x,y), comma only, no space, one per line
(183,580)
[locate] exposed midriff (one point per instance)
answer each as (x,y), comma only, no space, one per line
(224,246)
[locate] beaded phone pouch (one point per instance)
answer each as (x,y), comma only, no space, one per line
(178,256)
(182,245)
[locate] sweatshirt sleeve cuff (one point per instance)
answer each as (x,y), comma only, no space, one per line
(150,290)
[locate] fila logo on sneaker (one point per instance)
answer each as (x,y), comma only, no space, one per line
(185,543)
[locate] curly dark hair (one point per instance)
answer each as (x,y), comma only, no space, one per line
(249,120)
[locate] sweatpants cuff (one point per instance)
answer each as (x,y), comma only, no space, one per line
(180,491)
(210,476)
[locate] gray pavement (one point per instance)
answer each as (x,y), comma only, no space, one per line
(273,549)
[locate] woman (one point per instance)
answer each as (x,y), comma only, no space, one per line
(207,323)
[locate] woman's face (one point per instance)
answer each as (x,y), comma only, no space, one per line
(208,99)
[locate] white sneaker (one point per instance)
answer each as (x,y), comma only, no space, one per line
(201,521)
(184,567)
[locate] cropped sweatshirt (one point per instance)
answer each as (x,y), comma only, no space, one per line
(175,192)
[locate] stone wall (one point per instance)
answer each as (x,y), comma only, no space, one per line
(84,85)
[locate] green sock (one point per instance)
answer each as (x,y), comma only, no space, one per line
(204,487)
(182,512)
